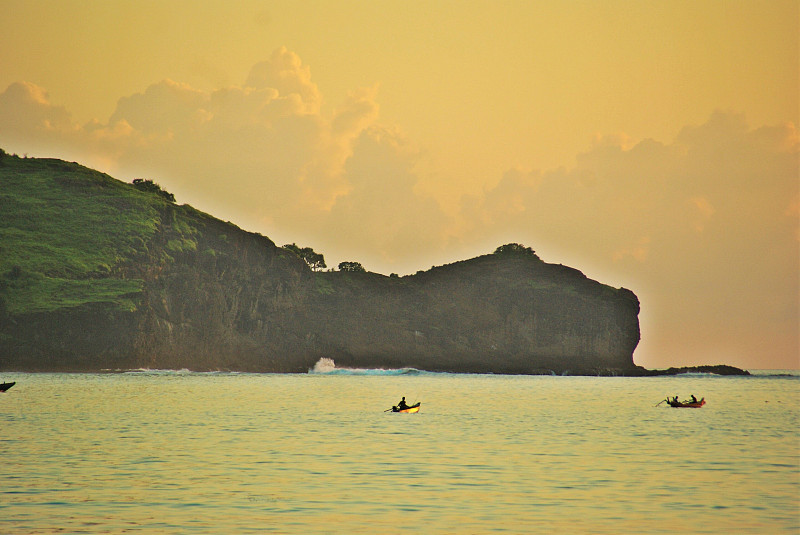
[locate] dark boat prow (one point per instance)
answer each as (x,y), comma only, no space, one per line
(6,386)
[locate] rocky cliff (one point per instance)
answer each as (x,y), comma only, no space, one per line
(96,274)
(501,313)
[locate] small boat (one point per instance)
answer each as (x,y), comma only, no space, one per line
(412,409)
(689,404)
(6,386)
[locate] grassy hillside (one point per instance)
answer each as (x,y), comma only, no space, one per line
(66,232)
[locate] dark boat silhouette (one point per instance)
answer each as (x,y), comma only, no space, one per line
(689,404)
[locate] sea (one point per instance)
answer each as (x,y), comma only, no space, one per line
(160,451)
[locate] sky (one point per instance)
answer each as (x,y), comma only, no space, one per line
(652,145)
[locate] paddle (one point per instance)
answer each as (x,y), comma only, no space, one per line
(660,402)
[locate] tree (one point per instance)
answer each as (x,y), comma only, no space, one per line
(314,260)
(352,267)
(514,248)
(151,187)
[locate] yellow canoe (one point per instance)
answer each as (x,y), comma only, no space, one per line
(411,409)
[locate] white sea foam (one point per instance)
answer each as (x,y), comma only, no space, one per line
(156,371)
(323,365)
(326,366)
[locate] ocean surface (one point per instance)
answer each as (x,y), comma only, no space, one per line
(179,452)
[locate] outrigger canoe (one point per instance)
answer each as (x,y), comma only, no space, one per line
(6,386)
(411,409)
(689,404)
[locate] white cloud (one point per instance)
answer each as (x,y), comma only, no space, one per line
(28,121)
(167,108)
(286,73)
(382,216)
(26,107)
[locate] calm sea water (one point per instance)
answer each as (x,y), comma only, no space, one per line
(180,452)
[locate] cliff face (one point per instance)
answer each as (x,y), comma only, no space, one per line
(190,291)
(496,313)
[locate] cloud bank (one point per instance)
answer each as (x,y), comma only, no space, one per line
(703,228)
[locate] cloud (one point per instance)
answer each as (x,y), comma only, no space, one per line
(261,150)
(382,216)
(703,210)
(30,121)
(167,108)
(638,251)
(286,73)
(26,107)
(261,154)
(703,227)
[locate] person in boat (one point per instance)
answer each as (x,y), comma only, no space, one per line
(675,399)
(402,405)
(694,399)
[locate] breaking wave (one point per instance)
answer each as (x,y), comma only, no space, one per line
(326,366)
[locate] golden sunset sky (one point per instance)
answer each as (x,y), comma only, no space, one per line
(652,145)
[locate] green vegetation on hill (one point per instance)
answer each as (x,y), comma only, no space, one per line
(66,233)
